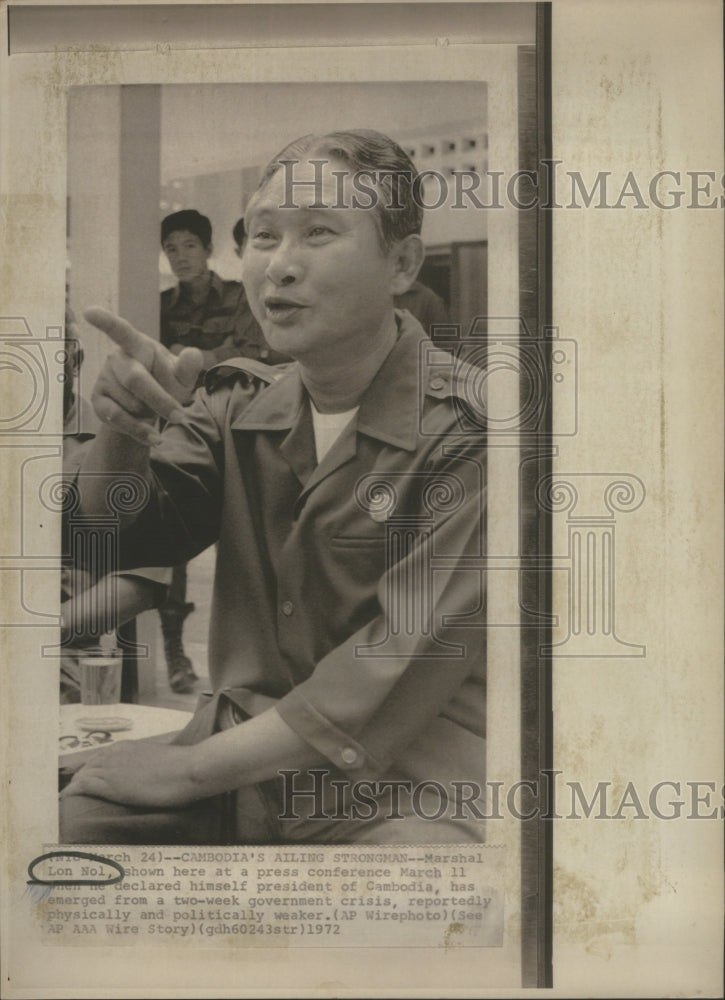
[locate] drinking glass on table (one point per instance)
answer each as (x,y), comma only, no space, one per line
(100,671)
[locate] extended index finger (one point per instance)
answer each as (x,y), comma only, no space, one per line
(128,338)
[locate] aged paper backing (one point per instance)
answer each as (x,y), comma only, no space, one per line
(637,902)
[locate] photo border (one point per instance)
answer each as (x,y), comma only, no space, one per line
(525,945)
(608,964)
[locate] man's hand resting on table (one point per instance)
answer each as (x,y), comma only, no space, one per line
(156,775)
(139,773)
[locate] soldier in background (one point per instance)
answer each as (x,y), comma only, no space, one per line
(212,314)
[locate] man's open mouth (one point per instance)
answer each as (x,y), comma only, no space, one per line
(280,309)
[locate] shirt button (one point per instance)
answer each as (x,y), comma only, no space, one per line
(287,608)
(349,755)
(437,382)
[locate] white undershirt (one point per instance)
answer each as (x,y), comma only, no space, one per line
(328,428)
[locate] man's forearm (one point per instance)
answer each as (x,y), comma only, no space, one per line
(80,614)
(251,752)
(111,459)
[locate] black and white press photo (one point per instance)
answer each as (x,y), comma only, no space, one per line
(359,565)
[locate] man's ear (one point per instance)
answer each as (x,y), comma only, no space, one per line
(407,256)
(209,250)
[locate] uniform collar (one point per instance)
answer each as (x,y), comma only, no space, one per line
(216,287)
(388,410)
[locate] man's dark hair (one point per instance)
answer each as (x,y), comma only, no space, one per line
(188,220)
(368,152)
(239,232)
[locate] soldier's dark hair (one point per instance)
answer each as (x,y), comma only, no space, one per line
(239,232)
(188,220)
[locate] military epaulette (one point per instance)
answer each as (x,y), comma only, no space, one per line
(246,369)
(464,383)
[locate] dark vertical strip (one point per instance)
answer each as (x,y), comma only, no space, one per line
(126,636)
(534,105)
(546,715)
(529,581)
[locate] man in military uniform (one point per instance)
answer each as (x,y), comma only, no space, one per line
(203,310)
(348,676)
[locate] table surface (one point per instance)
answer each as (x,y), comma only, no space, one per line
(147,722)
